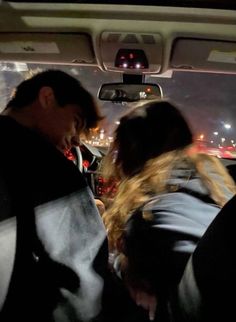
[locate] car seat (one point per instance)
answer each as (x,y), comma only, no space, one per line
(207,289)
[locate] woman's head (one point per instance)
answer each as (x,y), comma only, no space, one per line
(147,132)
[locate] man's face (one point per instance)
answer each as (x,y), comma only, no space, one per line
(65,127)
(61,125)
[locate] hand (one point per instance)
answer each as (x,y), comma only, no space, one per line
(145,300)
(140,290)
(100,205)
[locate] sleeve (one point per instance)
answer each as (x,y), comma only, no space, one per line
(72,234)
(151,249)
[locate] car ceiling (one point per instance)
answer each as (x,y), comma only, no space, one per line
(91,19)
(220,4)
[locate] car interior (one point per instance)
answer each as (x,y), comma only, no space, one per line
(129,51)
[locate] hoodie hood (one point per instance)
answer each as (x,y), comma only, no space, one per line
(185,177)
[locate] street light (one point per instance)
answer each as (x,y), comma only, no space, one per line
(227,126)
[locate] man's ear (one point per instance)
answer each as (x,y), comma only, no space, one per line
(46,97)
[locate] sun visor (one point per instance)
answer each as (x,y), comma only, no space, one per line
(131,52)
(205,55)
(56,48)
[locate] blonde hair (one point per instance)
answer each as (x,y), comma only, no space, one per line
(133,191)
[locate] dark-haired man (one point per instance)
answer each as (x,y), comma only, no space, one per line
(53,243)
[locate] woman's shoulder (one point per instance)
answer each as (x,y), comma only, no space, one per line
(175,211)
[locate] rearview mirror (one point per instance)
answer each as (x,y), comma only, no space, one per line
(122,92)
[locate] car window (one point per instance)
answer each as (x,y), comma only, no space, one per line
(206,99)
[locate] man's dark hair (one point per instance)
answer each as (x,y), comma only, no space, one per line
(67,90)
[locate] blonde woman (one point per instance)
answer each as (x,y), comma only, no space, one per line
(167,196)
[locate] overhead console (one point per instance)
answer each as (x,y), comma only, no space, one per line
(61,48)
(204,55)
(131,53)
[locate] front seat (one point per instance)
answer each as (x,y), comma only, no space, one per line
(207,289)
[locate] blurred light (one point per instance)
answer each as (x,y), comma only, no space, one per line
(137,65)
(117,122)
(215,133)
(227,126)
(142,95)
(125,65)
(201,136)
(222,139)
(212,141)
(86,164)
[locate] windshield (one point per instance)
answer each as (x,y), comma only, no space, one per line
(206,99)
